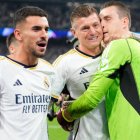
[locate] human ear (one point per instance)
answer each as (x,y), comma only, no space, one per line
(125,22)
(18,34)
(73,32)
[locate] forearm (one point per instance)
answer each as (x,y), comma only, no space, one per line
(80,107)
(85,103)
(90,99)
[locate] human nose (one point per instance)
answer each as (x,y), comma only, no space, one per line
(102,24)
(44,33)
(92,30)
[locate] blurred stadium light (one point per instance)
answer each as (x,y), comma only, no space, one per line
(56,34)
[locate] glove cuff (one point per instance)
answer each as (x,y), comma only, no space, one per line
(66,116)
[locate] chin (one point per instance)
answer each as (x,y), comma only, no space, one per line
(96,44)
(106,41)
(39,55)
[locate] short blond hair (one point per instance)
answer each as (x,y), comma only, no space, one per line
(83,10)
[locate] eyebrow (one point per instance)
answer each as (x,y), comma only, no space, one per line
(40,27)
(106,16)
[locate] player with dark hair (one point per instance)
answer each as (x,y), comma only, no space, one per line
(117,79)
(10,39)
(26,80)
(11,43)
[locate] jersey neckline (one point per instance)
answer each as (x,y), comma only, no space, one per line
(25,66)
(76,48)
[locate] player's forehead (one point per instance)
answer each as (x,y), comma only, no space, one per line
(108,12)
(91,19)
(36,21)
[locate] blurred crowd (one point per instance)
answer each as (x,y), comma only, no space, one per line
(58,19)
(58,14)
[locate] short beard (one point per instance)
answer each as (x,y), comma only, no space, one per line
(38,55)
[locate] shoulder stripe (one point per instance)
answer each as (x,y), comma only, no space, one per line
(62,56)
(2,58)
(46,62)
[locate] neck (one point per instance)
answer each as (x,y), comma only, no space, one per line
(30,60)
(123,35)
(90,51)
(126,35)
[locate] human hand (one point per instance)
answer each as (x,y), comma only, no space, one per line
(65,104)
(66,124)
(61,99)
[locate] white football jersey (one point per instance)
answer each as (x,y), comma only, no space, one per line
(24,98)
(77,70)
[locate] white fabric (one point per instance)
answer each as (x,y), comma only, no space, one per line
(76,70)
(24,98)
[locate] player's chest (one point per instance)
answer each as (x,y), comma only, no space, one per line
(83,69)
(26,83)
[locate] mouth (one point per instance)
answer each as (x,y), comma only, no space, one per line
(94,38)
(104,33)
(42,44)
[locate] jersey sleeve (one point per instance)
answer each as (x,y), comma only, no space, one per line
(60,68)
(55,85)
(114,56)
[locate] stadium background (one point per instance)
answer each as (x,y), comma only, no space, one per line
(58,11)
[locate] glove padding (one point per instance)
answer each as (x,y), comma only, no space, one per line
(67,126)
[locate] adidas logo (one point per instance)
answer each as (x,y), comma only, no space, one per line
(17,83)
(83,71)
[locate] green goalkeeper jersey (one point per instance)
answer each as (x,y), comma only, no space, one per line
(118,79)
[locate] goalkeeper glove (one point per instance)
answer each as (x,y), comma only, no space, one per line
(66,124)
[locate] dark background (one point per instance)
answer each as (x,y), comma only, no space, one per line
(58,11)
